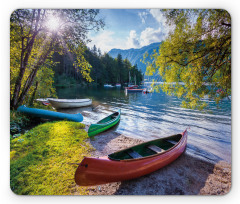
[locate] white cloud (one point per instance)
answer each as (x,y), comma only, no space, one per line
(143,16)
(150,35)
(157,14)
(132,40)
(146,37)
(161,19)
(105,41)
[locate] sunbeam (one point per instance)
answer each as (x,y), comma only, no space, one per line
(53,23)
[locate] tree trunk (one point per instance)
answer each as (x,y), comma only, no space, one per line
(33,95)
(17,88)
(25,54)
(33,74)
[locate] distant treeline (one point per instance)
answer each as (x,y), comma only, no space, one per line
(104,69)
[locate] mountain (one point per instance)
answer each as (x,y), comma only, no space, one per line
(136,55)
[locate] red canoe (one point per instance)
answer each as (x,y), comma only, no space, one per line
(132,162)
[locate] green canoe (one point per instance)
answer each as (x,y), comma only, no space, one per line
(104,124)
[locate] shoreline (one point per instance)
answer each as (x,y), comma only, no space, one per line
(187,175)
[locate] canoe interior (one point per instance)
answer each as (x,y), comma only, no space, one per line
(146,149)
(109,118)
(104,124)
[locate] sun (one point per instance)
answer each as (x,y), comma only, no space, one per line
(53,23)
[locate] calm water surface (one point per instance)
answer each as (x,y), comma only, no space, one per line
(156,115)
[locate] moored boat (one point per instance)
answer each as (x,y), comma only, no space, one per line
(104,124)
(44,101)
(131,87)
(146,91)
(134,90)
(70,103)
(108,86)
(41,99)
(132,162)
(50,114)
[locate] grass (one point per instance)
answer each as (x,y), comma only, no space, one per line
(43,160)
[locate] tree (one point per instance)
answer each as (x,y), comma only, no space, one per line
(127,67)
(119,68)
(195,59)
(106,69)
(110,68)
(36,34)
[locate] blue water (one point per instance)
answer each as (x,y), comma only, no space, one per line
(156,115)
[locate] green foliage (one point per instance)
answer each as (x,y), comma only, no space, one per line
(25,56)
(106,69)
(43,160)
(45,78)
(33,42)
(110,74)
(64,80)
(82,64)
(195,60)
(17,122)
(39,105)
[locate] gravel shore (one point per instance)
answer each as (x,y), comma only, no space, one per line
(185,176)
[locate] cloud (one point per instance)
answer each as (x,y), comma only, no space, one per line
(105,41)
(146,37)
(150,35)
(161,19)
(158,16)
(143,16)
(132,40)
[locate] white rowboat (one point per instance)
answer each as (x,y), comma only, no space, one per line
(70,103)
(43,99)
(108,85)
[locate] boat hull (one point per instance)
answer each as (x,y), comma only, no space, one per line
(58,103)
(108,86)
(132,87)
(96,171)
(135,90)
(50,114)
(44,101)
(95,129)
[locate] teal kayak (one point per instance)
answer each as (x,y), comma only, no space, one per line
(104,124)
(50,114)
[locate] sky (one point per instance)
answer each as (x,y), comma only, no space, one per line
(129,28)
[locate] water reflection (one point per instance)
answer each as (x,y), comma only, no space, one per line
(155,115)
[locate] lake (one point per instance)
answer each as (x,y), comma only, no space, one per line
(155,115)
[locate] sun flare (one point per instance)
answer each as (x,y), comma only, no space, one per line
(53,23)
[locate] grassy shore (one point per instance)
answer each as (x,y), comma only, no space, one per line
(44,159)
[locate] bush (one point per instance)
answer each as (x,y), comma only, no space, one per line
(44,160)
(63,81)
(17,122)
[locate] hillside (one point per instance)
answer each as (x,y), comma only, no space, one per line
(135,55)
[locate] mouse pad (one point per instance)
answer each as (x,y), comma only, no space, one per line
(120,102)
